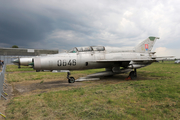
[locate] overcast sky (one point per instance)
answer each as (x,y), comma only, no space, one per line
(63,24)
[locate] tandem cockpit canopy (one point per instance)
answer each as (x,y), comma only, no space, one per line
(87,49)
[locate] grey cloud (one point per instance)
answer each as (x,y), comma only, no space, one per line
(65,24)
(21,27)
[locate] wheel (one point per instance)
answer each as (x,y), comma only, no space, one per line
(71,80)
(132,75)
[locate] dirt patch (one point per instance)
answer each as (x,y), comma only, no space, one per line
(40,86)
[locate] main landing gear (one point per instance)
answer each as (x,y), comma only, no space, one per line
(70,79)
(132,75)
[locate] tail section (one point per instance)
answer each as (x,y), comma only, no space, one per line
(147,45)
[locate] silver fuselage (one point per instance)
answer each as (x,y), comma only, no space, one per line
(91,60)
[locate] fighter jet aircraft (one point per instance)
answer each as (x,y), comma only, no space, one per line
(91,57)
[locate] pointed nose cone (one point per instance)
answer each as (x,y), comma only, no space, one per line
(16,61)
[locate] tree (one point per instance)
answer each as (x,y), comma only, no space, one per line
(15,46)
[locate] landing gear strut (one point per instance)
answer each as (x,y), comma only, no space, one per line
(132,75)
(70,79)
(19,66)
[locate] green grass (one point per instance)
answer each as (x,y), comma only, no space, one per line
(14,68)
(21,76)
(31,76)
(155,97)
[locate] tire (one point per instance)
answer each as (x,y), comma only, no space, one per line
(132,75)
(71,80)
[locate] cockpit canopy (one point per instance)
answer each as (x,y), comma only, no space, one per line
(86,49)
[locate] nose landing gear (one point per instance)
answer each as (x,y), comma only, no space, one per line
(70,79)
(132,75)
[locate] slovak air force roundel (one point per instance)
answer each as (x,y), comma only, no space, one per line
(146,47)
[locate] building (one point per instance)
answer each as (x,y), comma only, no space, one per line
(8,54)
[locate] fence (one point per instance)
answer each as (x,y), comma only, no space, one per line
(8,59)
(2,83)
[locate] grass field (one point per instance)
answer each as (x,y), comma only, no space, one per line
(155,97)
(23,74)
(14,68)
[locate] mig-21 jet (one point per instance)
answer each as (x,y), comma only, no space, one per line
(115,61)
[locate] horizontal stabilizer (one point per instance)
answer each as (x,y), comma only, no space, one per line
(162,58)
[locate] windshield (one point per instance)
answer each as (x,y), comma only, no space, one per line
(98,48)
(86,49)
(74,50)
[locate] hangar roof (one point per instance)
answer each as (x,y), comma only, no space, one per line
(25,52)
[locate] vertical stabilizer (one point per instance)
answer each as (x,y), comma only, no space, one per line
(146,45)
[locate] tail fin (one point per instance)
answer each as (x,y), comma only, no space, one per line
(146,45)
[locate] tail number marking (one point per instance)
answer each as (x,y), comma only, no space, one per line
(64,63)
